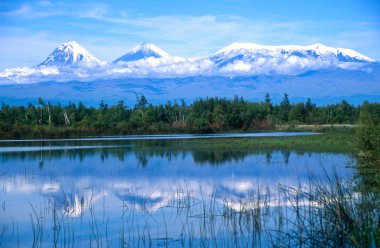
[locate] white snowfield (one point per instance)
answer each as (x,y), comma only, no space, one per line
(69,53)
(142,51)
(146,47)
(281,52)
(70,61)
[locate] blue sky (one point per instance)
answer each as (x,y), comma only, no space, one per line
(30,30)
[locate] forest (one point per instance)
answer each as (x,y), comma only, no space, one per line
(201,116)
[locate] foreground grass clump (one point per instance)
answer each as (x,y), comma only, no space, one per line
(336,215)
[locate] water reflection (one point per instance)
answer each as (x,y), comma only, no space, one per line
(87,179)
(150,167)
(142,150)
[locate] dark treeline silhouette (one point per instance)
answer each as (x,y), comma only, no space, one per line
(203,115)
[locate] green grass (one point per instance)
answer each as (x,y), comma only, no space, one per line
(333,140)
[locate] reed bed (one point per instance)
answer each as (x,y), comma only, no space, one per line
(325,212)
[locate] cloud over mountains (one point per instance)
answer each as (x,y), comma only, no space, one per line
(70,61)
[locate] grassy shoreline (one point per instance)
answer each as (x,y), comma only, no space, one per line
(330,139)
(338,140)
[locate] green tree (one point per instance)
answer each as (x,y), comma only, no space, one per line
(297,113)
(268,104)
(284,109)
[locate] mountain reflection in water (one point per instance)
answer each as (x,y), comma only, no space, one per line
(108,178)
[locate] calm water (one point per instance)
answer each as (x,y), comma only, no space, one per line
(142,190)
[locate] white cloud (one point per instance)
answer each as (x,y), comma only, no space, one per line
(44,3)
(167,67)
(23,10)
(29,74)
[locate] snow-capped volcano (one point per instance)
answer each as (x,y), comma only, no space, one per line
(249,53)
(70,61)
(142,51)
(67,54)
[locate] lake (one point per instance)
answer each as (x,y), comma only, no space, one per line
(157,190)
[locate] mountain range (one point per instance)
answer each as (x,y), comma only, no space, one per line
(71,73)
(71,52)
(70,61)
(248,52)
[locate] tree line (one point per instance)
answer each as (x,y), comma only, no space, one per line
(203,115)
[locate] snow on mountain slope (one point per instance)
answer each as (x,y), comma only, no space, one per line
(70,61)
(69,53)
(246,55)
(142,51)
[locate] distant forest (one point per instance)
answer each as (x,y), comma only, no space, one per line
(202,116)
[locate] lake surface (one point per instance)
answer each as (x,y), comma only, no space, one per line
(160,190)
